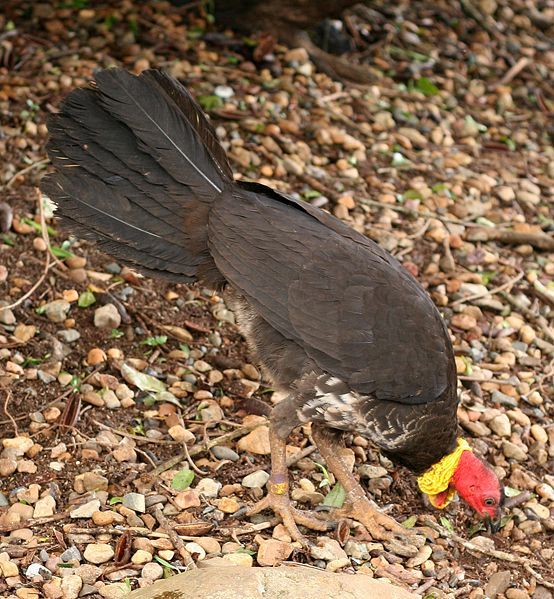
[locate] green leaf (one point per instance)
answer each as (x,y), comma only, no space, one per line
(410,522)
(145,382)
(115,500)
(154,341)
(511,492)
(477,527)
(116,334)
(165,563)
(182,480)
(487,276)
(211,102)
(133,26)
(185,349)
(335,497)
(479,126)
(324,471)
(36,226)
(424,86)
(412,194)
(86,299)
(485,222)
(60,252)
(446,523)
(509,142)
(310,194)
(398,159)
(7,240)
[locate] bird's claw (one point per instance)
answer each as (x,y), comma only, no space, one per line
(291,517)
(380,526)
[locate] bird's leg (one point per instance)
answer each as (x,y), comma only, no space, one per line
(360,508)
(278,498)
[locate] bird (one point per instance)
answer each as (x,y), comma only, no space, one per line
(351,339)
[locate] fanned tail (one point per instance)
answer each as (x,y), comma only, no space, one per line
(137,168)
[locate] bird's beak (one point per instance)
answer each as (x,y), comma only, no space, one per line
(493,525)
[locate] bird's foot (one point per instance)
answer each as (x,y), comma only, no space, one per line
(380,526)
(278,501)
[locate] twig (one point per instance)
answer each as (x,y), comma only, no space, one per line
(426,585)
(489,292)
(37,522)
(174,537)
(541,241)
(299,455)
(26,170)
(200,447)
(46,264)
(6,411)
(118,431)
(191,462)
(501,555)
(514,71)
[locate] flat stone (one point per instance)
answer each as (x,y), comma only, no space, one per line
(293,582)
(45,507)
(497,584)
(256,442)
(71,586)
(57,310)
(327,549)
(35,569)
(152,571)
(71,554)
(256,480)
(501,425)
(98,553)
(86,510)
(272,552)
(221,452)
(208,487)
(513,451)
(107,317)
(69,335)
(135,502)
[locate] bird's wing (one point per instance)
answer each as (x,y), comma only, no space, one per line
(352,308)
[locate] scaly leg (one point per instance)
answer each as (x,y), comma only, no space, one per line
(278,498)
(361,509)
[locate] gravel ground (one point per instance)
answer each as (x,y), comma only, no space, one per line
(133,426)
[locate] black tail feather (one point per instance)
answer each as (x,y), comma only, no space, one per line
(137,168)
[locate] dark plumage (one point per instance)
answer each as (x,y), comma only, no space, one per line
(331,317)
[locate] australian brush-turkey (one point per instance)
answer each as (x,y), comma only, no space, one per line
(331,317)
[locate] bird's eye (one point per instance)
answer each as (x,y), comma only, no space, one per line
(490,501)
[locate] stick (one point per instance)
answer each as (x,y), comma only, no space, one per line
(26,170)
(474,296)
(541,240)
(174,537)
(46,264)
(515,70)
(6,411)
(200,447)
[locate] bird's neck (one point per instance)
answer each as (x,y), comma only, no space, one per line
(437,481)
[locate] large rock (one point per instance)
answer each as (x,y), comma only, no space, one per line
(293,582)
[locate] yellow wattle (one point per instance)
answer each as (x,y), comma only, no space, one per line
(437,479)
